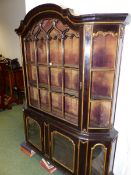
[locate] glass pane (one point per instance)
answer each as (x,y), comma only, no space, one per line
(102,84)
(44,99)
(63,151)
(100,114)
(33,95)
(71,109)
(41,51)
(47,24)
(98,164)
(104,50)
(71,80)
(32,75)
(56,103)
(56,78)
(30,51)
(61,26)
(43,76)
(34,132)
(71,51)
(55,48)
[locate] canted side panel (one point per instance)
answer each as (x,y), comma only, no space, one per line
(117,74)
(52,52)
(112,155)
(103,65)
(98,158)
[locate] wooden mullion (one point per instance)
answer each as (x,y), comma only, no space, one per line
(37,79)
(63,78)
(49,72)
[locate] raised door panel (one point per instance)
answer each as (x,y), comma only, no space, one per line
(33,132)
(63,149)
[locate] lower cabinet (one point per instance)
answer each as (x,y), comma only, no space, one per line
(75,152)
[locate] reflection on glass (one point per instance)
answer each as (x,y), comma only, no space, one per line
(100,114)
(71,51)
(102,84)
(60,26)
(33,95)
(104,50)
(71,79)
(63,150)
(43,76)
(41,51)
(98,160)
(56,103)
(56,78)
(55,50)
(44,99)
(46,24)
(33,132)
(71,109)
(30,51)
(32,75)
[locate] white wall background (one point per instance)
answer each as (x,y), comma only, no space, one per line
(123,112)
(11,12)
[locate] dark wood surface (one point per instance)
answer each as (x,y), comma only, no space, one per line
(2,84)
(94,90)
(51,9)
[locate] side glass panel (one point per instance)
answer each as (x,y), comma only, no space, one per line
(104,49)
(103,70)
(100,114)
(33,132)
(98,154)
(112,155)
(63,150)
(102,84)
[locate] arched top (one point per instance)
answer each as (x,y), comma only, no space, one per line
(67,17)
(98,145)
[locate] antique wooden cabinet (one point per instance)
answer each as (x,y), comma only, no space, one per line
(71,69)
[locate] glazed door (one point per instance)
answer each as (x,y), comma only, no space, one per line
(53,69)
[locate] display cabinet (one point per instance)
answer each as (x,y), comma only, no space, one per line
(71,70)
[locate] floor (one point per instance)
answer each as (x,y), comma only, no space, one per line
(12,160)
